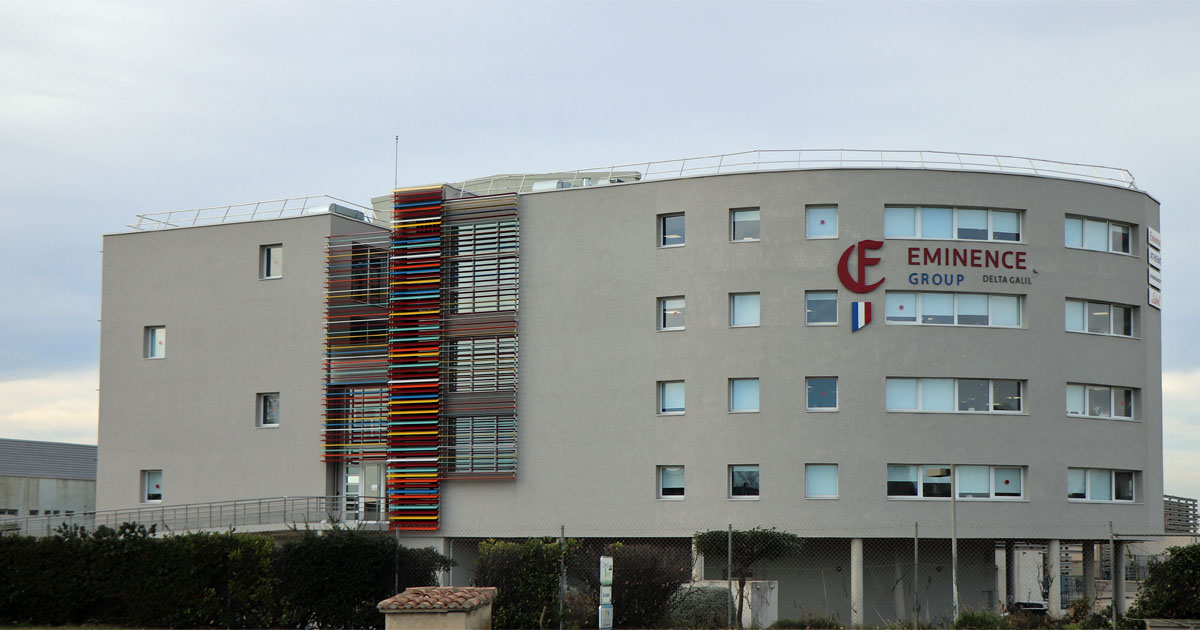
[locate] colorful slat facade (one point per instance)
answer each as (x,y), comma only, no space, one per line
(421,349)
(414,340)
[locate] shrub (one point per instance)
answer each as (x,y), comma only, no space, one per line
(980,619)
(1172,588)
(816,622)
(646,575)
(698,607)
(526,576)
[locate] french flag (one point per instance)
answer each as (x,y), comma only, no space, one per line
(860,315)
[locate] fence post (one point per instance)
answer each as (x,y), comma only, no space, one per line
(729,576)
(1112,565)
(562,572)
(916,587)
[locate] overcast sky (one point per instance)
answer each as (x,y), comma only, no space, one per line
(108,109)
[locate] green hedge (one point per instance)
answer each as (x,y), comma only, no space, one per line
(129,576)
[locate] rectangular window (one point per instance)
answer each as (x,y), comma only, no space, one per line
(670,482)
(270,261)
(964,395)
(949,223)
(670,397)
(670,313)
(151,486)
(743,482)
(1100,484)
(1099,318)
(1097,235)
(743,394)
(902,480)
(671,230)
(1099,401)
(743,309)
(822,393)
(936,482)
(743,225)
(820,307)
(821,481)
(821,221)
(154,342)
(971,482)
(953,309)
(268,410)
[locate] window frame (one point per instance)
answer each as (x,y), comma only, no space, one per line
(836,309)
(1130,228)
(1112,485)
(744,497)
(757,397)
(956,399)
(918,306)
(954,211)
(836,395)
(265,268)
(662,312)
(733,212)
(261,400)
(144,483)
(733,310)
(836,482)
(1133,310)
(955,486)
(836,221)
(661,395)
(658,474)
(150,334)
(1134,393)
(661,221)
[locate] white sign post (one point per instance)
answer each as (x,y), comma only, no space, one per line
(606,577)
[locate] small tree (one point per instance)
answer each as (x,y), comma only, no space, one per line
(1172,589)
(749,547)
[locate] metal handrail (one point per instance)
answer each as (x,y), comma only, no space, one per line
(803,159)
(217,515)
(232,213)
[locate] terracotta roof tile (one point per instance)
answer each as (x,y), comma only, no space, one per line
(439,598)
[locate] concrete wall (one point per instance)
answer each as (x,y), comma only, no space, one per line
(46,495)
(230,336)
(590,355)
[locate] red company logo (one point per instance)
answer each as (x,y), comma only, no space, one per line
(859,285)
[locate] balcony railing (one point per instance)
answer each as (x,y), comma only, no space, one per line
(797,159)
(277,513)
(251,211)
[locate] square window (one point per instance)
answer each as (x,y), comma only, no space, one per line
(743,394)
(743,309)
(1122,402)
(670,397)
(937,394)
(670,313)
(1006,226)
(822,221)
(1075,400)
(743,482)
(937,223)
(1099,401)
(1076,483)
(899,222)
(820,307)
(937,308)
(1122,321)
(1006,395)
(1006,310)
(901,480)
(901,394)
(151,486)
(1118,238)
(268,410)
(973,225)
(743,225)
(154,342)
(1095,235)
(670,482)
(973,482)
(935,485)
(270,261)
(972,309)
(822,393)
(1073,232)
(1099,318)
(901,308)
(671,230)
(972,394)
(1099,484)
(1008,482)
(1076,315)
(1122,485)
(821,481)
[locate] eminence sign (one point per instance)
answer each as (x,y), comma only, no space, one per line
(1002,266)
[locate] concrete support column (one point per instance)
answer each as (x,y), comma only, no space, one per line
(1010,573)
(1118,577)
(856,582)
(1089,571)
(1054,572)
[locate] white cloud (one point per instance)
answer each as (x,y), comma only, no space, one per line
(59,407)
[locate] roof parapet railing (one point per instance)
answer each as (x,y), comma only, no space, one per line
(797,159)
(232,213)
